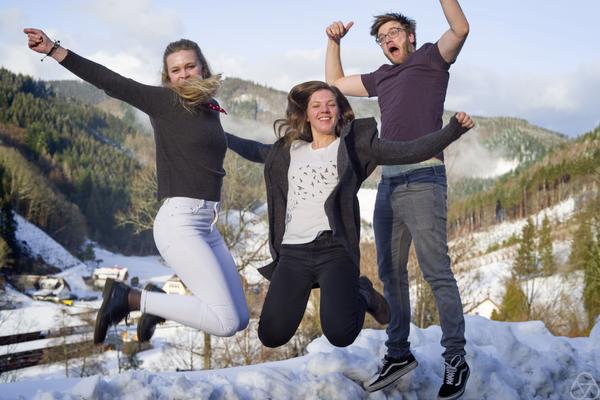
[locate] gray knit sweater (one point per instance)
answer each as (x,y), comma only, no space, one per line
(190,146)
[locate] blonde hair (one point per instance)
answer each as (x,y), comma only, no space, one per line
(295,126)
(195,90)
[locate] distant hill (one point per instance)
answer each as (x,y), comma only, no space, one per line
(568,169)
(69,163)
(494,147)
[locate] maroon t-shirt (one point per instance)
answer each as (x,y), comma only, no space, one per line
(411,95)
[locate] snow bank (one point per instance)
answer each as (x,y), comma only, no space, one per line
(508,361)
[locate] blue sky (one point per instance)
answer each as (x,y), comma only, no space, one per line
(538,60)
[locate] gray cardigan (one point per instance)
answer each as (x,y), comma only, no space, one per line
(359,153)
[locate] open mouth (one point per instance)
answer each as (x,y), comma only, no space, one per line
(393,50)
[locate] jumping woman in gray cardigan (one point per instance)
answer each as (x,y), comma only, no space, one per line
(312,175)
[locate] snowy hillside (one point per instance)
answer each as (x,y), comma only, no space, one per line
(508,361)
(42,245)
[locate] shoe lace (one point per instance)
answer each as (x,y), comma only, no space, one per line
(450,372)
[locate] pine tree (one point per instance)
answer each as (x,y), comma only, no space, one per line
(591,288)
(545,248)
(9,249)
(591,277)
(515,306)
(525,263)
(579,256)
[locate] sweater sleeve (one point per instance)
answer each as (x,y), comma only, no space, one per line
(143,97)
(388,152)
(248,149)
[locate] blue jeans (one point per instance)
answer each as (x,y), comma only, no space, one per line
(412,207)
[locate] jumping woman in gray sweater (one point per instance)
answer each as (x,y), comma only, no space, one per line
(190,148)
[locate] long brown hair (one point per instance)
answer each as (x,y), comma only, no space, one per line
(295,126)
(196,90)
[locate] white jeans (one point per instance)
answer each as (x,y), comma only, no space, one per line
(187,239)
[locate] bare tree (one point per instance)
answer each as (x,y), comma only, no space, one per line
(188,350)
(144,204)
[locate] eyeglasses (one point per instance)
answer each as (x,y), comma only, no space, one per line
(392,33)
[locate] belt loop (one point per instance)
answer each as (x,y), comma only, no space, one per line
(216,211)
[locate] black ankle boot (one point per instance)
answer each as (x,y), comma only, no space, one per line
(377,305)
(147,322)
(115,307)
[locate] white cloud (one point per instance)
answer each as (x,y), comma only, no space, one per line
(567,102)
(143,21)
(128,65)
(14,53)
(282,71)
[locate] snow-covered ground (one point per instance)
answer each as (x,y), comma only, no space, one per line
(508,361)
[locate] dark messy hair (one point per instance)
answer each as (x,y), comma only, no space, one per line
(295,126)
(410,25)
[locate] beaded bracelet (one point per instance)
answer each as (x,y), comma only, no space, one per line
(55,46)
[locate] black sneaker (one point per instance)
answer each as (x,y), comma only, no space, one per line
(147,322)
(456,375)
(391,370)
(115,307)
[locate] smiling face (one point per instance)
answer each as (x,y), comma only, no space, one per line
(322,112)
(396,49)
(181,65)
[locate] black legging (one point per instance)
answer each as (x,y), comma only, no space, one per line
(326,262)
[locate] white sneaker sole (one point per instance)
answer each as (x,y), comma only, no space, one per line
(392,378)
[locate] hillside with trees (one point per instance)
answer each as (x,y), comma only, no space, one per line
(69,166)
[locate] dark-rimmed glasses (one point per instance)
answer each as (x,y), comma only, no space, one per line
(392,33)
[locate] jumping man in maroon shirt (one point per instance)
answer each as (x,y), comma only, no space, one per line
(411,199)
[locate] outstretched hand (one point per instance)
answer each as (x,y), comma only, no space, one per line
(464,120)
(38,41)
(337,30)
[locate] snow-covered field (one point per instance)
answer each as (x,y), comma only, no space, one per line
(508,360)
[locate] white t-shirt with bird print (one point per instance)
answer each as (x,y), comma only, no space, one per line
(312,176)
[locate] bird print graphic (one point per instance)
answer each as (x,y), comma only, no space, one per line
(310,181)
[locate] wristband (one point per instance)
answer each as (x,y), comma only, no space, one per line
(55,46)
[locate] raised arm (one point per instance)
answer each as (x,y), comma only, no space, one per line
(334,73)
(115,85)
(423,148)
(453,39)
(249,149)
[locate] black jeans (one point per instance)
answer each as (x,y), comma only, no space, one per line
(323,261)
